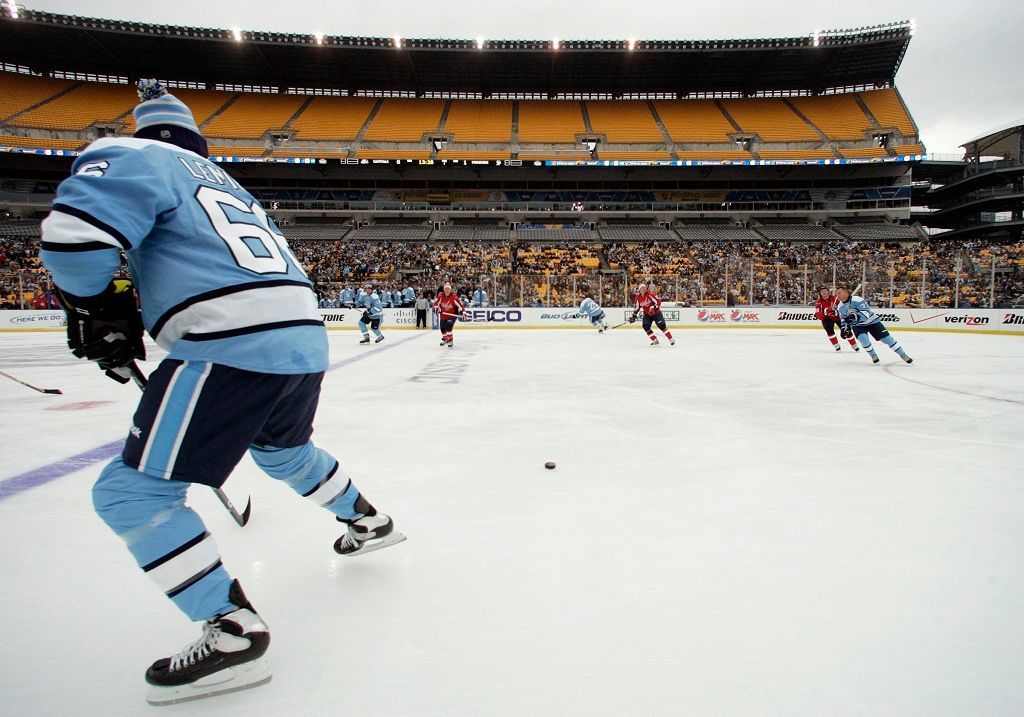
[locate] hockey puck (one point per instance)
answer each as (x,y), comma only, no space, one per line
(550,465)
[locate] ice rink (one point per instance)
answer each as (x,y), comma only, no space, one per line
(747,523)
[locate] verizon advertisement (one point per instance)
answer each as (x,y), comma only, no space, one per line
(993,321)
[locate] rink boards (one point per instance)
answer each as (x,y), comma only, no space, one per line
(989,321)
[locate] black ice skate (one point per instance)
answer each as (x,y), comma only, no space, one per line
(908,359)
(379,339)
(856,348)
(366,534)
(874,359)
(366,340)
(654,343)
(228,657)
(671,342)
(838,348)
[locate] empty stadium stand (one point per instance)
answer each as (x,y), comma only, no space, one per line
(694,121)
(404,120)
(479,121)
(624,122)
(888,109)
(20,92)
(330,119)
(840,117)
(545,121)
(251,116)
(796,232)
(81,107)
(771,119)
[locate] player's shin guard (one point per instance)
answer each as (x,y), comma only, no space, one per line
(312,473)
(167,538)
(895,346)
(835,341)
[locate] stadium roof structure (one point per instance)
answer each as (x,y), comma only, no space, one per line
(1005,141)
(825,60)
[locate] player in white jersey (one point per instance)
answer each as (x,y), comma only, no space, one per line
(222,293)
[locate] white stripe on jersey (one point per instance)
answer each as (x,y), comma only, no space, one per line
(252,307)
(61,228)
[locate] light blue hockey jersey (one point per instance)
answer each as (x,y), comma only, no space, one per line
(372,304)
(479,298)
(589,308)
(216,278)
(347,296)
(385,298)
(863,314)
(409,295)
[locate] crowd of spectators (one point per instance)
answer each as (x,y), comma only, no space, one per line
(690,273)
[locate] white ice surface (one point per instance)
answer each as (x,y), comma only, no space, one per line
(745,524)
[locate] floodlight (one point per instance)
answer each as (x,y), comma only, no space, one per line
(398,42)
(480,43)
(318,37)
(555,44)
(631,44)
(237,34)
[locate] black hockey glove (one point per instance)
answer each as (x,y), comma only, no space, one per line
(632,318)
(106,328)
(846,332)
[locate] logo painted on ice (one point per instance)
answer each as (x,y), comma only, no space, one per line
(705,316)
(745,317)
(1014,319)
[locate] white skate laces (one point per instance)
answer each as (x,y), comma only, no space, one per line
(198,650)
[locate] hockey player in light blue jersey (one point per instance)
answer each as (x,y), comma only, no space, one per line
(223,294)
(373,314)
(859,320)
(347,297)
(589,309)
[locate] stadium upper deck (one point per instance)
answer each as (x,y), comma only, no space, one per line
(373,98)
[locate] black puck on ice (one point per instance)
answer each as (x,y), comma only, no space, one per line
(550,465)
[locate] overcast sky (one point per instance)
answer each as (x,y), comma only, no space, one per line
(963,74)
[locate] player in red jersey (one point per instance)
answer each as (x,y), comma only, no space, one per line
(449,308)
(648,304)
(827,311)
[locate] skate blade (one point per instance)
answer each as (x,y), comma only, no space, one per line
(233,679)
(371,545)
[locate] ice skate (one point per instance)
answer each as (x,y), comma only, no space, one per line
(671,342)
(379,339)
(856,349)
(874,359)
(654,343)
(838,348)
(907,359)
(366,534)
(366,340)
(228,657)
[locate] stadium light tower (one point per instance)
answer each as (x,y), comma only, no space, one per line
(555,44)
(480,43)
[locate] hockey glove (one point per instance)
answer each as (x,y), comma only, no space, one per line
(632,318)
(846,332)
(106,328)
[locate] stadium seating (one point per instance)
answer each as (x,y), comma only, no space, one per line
(474,154)
(535,155)
(878,232)
(908,149)
(404,120)
(716,233)
(796,232)
(81,107)
(771,119)
(712,155)
(640,233)
(550,121)
(624,122)
(888,109)
(796,154)
(393,154)
(234,151)
(840,117)
(864,153)
(694,121)
(40,142)
(638,154)
(251,116)
(19,92)
(479,121)
(332,119)
(299,152)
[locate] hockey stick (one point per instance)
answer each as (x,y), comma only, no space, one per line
(34,388)
(240,518)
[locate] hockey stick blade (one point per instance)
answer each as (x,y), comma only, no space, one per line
(240,518)
(55,391)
